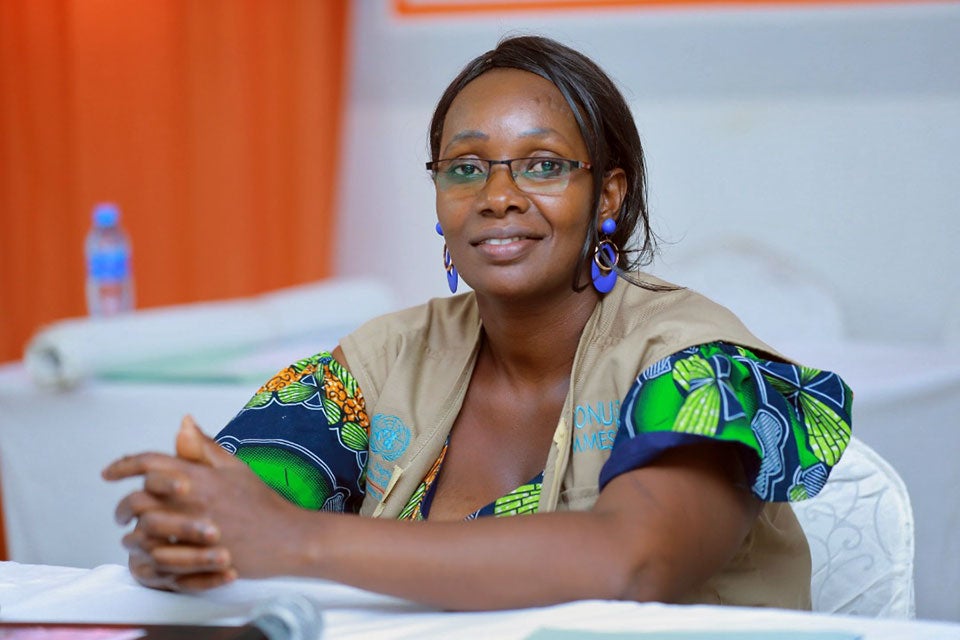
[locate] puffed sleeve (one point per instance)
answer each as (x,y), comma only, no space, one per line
(305,433)
(792,422)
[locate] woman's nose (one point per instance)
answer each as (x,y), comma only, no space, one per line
(500,193)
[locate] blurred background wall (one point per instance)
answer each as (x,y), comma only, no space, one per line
(823,133)
(215,126)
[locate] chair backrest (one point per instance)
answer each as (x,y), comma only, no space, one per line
(781,302)
(860,531)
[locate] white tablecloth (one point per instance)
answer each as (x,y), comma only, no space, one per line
(58,511)
(108,594)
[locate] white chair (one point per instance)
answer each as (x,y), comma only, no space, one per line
(860,531)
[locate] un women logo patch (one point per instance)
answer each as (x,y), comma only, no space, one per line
(389,437)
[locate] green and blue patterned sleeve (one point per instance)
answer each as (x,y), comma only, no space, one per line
(305,433)
(792,422)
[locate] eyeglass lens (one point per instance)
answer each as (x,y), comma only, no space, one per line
(466,176)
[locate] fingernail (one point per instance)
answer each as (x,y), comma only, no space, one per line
(209,533)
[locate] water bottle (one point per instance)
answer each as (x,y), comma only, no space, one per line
(109,276)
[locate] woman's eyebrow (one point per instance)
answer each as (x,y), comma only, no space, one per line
(469,134)
(475,134)
(540,132)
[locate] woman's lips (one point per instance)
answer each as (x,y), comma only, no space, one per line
(505,249)
(501,241)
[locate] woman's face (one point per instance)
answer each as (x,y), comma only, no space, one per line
(506,242)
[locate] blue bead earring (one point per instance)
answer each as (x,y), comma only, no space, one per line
(605,259)
(452,278)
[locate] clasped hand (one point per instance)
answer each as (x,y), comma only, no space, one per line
(203,517)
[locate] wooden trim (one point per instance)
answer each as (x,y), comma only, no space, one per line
(415,8)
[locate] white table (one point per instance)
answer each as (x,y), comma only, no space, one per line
(58,511)
(108,594)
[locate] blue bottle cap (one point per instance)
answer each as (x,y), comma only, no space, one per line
(106,214)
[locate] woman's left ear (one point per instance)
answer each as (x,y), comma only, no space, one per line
(613,193)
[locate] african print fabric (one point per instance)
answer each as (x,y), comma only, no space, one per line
(795,420)
(305,433)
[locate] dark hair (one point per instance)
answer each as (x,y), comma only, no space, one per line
(605,122)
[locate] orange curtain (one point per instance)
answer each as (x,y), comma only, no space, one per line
(213,125)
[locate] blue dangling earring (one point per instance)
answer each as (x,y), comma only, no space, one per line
(605,259)
(452,278)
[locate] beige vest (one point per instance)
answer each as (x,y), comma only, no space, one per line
(414,367)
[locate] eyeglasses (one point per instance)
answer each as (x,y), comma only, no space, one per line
(536,176)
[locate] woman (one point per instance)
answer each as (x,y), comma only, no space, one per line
(649,436)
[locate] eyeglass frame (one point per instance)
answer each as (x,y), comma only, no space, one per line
(574,164)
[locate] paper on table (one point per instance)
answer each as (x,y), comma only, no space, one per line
(578,634)
(64,353)
(47,632)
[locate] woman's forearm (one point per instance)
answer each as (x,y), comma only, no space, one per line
(654,534)
(491,563)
